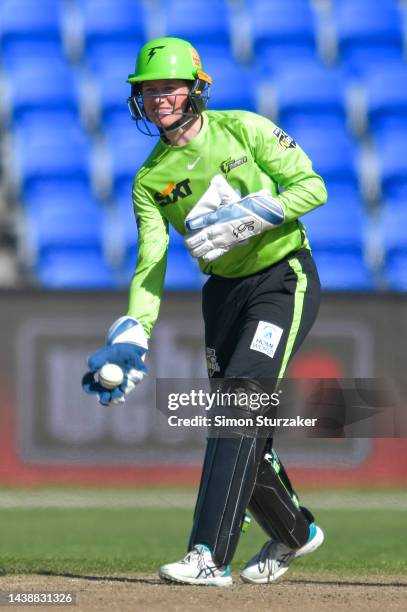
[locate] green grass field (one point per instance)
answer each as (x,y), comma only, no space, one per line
(115,540)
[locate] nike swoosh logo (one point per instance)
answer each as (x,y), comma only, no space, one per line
(192,166)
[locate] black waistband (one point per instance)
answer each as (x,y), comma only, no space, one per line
(302,254)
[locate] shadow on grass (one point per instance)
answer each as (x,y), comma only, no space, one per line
(156,581)
(152,581)
(345,583)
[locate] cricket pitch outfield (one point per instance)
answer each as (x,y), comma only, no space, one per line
(105,546)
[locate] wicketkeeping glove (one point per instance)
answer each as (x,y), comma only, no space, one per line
(221,219)
(126,345)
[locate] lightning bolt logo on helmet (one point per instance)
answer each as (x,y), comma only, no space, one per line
(153,51)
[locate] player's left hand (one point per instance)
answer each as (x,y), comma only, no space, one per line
(126,345)
(211,234)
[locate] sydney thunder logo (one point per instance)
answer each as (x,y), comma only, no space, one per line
(153,51)
(230,163)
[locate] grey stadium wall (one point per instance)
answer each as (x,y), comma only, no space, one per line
(52,433)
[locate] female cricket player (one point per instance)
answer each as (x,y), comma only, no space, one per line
(234,185)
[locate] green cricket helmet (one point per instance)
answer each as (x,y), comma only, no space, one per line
(169,58)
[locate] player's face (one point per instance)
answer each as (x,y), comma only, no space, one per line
(164,100)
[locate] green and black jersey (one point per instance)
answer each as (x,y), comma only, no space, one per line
(252,153)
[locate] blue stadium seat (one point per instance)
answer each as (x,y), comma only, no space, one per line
(282,31)
(51,152)
(123,192)
(110,63)
(301,125)
(310,91)
(50,187)
(322,225)
(127,149)
(343,271)
(233,86)
(113,92)
(46,124)
(391,149)
(75,271)
(32,121)
(200,22)
(66,244)
(369,33)
(182,271)
(386,98)
(112,55)
(78,199)
(394,236)
(57,224)
(34,86)
(339,253)
(106,21)
(17,53)
(342,192)
(28,20)
(333,152)
(395,272)
(385,4)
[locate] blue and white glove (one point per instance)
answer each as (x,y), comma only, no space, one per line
(126,345)
(221,219)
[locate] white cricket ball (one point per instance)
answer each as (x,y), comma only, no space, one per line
(111,376)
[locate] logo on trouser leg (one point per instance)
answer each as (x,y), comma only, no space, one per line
(211,362)
(266,338)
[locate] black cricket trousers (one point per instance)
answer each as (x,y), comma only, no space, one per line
(253,326)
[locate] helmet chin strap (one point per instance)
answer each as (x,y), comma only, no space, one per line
(177,125)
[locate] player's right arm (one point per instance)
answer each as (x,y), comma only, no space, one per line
(148,280)
(127,338)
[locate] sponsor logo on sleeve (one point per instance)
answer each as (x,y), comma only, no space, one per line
(284,140)
(266,338)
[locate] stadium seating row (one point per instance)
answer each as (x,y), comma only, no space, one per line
(48,146)
(308,90)
(366,33)
(74,151)
(64,227)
